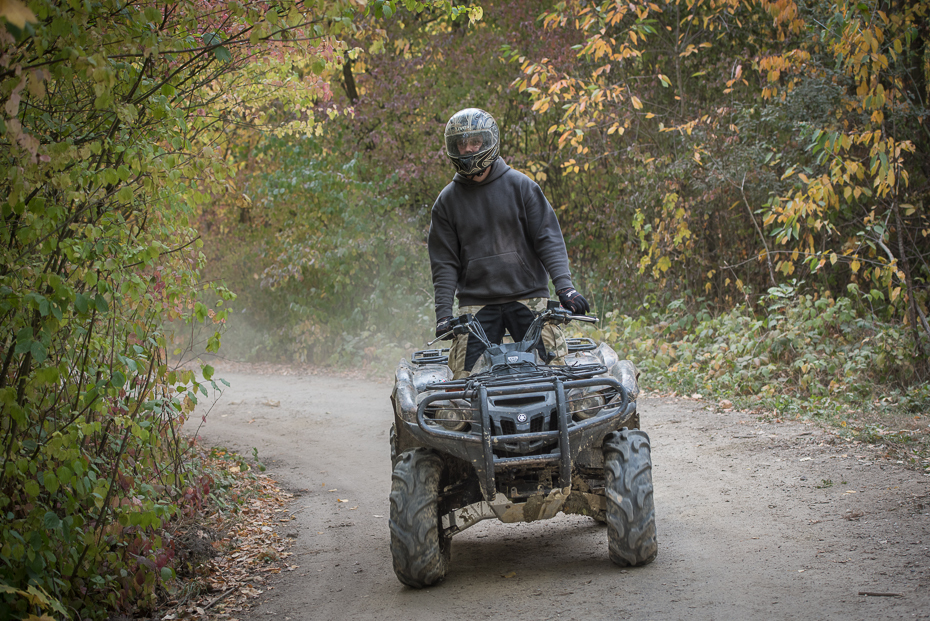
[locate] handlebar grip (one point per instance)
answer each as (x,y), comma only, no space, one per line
(586,318)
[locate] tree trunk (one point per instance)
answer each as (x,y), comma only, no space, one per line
(349,80)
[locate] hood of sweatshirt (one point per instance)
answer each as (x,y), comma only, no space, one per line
(498,168)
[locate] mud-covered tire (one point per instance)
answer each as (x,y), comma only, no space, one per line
(631,522)
(421,554)
(393,441)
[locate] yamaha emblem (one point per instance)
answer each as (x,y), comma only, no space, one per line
(512,359)
(521,418)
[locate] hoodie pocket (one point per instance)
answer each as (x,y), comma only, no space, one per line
(500,275)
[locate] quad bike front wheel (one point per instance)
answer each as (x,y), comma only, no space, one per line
(631,519)
(421,554)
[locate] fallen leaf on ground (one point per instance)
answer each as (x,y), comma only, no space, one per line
(246,545)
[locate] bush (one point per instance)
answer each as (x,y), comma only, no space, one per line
(797,352)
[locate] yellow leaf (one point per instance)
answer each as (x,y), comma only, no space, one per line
(895,293)
(855,266)
(636,102)
(832,258)
(17,13)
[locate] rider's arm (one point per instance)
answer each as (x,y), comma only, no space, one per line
(444,261)
(546,235)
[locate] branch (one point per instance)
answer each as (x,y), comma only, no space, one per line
(768,257)
(920,312)
(161,254)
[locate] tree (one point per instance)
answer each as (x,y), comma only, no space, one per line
(116,121)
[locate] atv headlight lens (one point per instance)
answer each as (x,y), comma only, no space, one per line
(452,419)
(584,404)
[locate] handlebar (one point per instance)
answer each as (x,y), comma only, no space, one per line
(467,324)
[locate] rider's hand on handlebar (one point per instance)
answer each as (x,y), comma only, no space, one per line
(444,327)
(573,301)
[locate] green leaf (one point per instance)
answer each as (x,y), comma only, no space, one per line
(207,371)
(51,521)
(65,475)
(117,379)
(222,54)
(200,312)
(101,303)
(24,341)
(51,482)
(39,352)
(32,488)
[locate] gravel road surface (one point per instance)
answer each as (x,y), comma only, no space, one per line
(756,520)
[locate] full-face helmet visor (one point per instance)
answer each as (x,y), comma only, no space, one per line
(469,143)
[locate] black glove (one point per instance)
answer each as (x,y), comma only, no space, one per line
(443,326)
(573,301)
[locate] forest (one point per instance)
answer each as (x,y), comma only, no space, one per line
(743,186)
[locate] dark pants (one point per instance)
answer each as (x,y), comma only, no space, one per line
(496,319)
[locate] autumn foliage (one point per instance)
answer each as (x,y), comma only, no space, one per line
(719,167)
(115,120)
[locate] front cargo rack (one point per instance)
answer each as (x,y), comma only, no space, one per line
(431,356)
(531,374)
(581,344)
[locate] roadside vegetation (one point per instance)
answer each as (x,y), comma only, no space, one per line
(743,186)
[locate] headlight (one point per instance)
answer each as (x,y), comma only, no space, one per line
(451,419)
(584,404)
(453,415)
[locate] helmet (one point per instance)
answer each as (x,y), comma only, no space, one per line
(472,140)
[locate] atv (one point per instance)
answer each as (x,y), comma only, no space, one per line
(518,440)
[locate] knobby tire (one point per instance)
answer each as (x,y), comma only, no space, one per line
(631,526)
(421,554)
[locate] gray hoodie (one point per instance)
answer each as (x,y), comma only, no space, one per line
(494,242)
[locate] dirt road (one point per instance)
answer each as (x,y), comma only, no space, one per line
(756,520)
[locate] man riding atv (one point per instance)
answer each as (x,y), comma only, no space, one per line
(494,242)
(520,431)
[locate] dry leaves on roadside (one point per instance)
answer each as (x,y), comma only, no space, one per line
(248,553)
